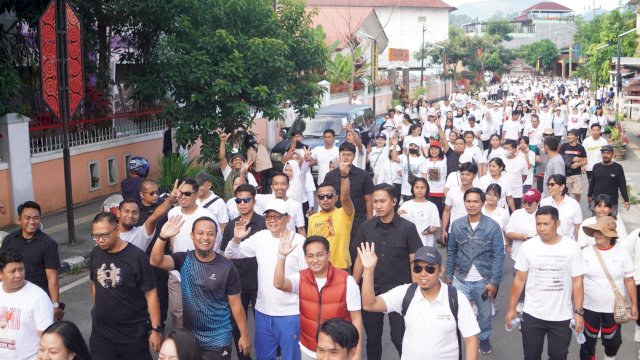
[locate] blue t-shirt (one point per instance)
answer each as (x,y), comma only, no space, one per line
(205,287)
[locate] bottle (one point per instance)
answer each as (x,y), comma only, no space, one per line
(515,323)
(579,336)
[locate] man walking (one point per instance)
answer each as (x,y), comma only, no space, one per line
(551,266)
(474,262)
(334,223)
(396,241)
(555,164)
(322,155)
(40,251)
(210,201)
(575,157)
(592,146)
(608,178)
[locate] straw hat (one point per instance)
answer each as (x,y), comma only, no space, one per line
(606,225)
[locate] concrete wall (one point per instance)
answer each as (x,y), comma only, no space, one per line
(5,194)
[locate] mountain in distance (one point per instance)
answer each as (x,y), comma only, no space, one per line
(486,9)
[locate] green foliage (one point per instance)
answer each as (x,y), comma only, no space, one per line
(545,49)
(344,68)
(175,166)
(227,61)
(604,30)
(500,29)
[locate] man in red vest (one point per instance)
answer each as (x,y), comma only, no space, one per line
(325,292)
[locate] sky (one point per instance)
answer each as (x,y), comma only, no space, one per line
(577,5)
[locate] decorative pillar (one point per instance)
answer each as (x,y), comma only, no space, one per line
(15,150)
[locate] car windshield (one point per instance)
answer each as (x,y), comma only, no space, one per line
(316,126)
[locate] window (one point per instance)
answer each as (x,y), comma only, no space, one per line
(127,157)
(94,175)
(112,171)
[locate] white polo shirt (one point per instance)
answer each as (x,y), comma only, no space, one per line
(570,214)
(430,328)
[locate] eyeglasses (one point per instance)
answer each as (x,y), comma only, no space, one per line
(97,237)
(150,193)
(186,193)
(245,200)
(326,196)
(273,217)
(429,268)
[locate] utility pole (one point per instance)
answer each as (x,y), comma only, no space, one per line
(423,53)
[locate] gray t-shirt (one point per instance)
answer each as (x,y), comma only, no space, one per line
(555,165)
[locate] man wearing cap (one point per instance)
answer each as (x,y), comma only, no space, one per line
(210,201)
(608,178)
(575,157)
(231,166)
(475,257)
(277,320)
(431,326)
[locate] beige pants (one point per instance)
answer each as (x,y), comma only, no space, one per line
(175,302)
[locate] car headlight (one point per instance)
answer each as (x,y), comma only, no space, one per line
(276,157)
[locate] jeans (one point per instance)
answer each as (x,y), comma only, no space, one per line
(274,331)
(373,325)
(534,330)
(247,296)
(473,290)
(595,322)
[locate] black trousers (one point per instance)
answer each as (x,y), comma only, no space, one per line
(358,219)
(534,330)
(162,278)
(638,292)
(107,349)
(373,325)
(438,202)
(595,322)
(247,296)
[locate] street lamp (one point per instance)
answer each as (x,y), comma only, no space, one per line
(618,67)
(423,20)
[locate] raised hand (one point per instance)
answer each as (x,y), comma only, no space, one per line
(175,192)
(285,246)
(245,167)
(307,154)
(368,257)
(345,167)
(240,231)
(172,227)
(223,137)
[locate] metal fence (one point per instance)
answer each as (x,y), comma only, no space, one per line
(46,138)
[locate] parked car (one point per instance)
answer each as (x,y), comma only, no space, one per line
(329,117)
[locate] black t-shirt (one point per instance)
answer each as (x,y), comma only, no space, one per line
(452,161)
(360,184)
(121,280)
(40,253)
(394,242)
(247,267)
(568,153)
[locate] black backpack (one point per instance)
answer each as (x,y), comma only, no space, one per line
(453,305)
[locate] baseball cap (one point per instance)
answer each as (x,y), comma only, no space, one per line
(606,148)
(435,143)
(531,195)
(428,254)
(233,154)
(548,131)
(277,205)
(398,108)
(471,117)
(381,135)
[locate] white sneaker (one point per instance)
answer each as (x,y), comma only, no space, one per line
(519,307)
(493,310)
(608,358)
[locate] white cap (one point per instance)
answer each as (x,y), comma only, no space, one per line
(277,205)
(398,108)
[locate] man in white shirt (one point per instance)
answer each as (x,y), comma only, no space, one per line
(592,146)
(25,310)
(552,268)
(277,319)
(279,186)
(512,127)
(534,132)
(210,201)
(289,115)
(431,325)
(454,200)
(516,168)
(322,155)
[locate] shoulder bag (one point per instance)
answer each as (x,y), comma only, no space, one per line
(621,306)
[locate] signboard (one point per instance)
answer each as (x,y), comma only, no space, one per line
(398,55)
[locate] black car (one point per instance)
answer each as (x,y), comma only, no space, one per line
(329,117)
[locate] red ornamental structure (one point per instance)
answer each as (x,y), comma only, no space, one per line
(62,79)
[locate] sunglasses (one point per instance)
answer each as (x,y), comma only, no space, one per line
(150,193)
(186,193)
(245,200)
(326,196)
(429,268)
(273,217)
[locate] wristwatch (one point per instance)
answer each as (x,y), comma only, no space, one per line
(56,305)
(579,311)
(156,329)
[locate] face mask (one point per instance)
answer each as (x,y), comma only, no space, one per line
(413,151)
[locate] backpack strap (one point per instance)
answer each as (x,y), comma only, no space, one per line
(453,305)
(411,290)
(215,198)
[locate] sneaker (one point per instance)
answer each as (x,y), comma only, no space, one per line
(519,307)
(493,310)
(485,347)
(608,357)
(636,336)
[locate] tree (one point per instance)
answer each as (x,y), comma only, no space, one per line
(545,50)
(226,62)
(501,29)
(603,29)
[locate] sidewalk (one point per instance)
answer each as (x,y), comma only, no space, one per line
(55,225)
(631,165)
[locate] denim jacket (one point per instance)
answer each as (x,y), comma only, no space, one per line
(482,247)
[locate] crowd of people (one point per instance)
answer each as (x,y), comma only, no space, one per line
(415,223)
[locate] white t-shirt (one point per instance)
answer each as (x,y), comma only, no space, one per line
(429,130)
(592,147)
(570,214)
(423,215)
(515,168)
(474,153)
(598,293)
(353,298)
(138,237)
(455,199)
(511,129)
(418,167)
(499,152)
(323,156)
(436,175)
(550,272)
(532,160)
(24,314)
(377,158)
(574,121)
(294,209)
(505,188)
(535,134)
(250,179)
(430,327)
(217,208)
(182,242)
(521,222)
(499,214)
(453,180)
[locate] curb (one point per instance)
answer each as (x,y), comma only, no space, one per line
(73,263)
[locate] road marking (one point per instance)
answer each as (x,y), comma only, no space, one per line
(74,284)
